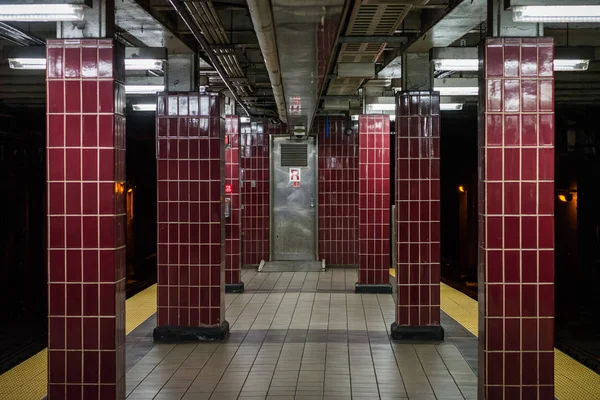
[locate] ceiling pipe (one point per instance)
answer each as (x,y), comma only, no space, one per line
(262,19)
(18,36)
(209,52)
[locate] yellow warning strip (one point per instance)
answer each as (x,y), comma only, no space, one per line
(29,381)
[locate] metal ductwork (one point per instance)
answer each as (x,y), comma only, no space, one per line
(18,36)
(187,19)
(262,19)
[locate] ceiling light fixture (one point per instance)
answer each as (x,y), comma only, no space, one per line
(381,107)
(455,64)
(457,90)
(557,14)
(451,106)
(473,65)
(131,64)
(143,64)
(144,89)
(571,65)
(143,107)
(41,12)
(27,63)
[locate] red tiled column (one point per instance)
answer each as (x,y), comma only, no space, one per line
(233,282)
(338,193)
(516,219)
(86,219)
(374,204)
(254,162)
(191,229)
(418,216)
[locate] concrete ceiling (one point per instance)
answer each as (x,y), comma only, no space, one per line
(420,23)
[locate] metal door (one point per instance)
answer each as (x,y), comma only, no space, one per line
(293,199)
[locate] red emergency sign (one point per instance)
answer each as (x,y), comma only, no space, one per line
(228,188)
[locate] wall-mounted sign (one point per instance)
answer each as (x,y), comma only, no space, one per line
(295,176)
(228,188)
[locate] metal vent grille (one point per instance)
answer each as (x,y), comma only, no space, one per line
(369,18)
(294,155)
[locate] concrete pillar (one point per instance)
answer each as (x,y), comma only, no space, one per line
(181,73)
(86,210)
(374,204)
(418,217)
(416,72)
(191,228)
(233,254)
(516,219)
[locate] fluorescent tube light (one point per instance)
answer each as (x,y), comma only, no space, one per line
(144,89)
(381,107)
(556,14)
(130,64)
(143,107)
(27,63)
(472,64)
(457,90)
(41,12)
(245,119)
(143,64)
(571,65)
(455,64)
(451,106)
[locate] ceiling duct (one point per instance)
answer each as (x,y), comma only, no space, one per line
(206,47)
(369,18)
(262,19)
(298,25)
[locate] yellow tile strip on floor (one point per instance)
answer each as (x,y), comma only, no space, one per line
(573,380)
(28,380)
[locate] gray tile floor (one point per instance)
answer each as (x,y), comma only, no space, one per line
(304,335)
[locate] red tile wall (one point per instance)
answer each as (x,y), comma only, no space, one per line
(254,163)
(418,208)
(338,193)
(232,178)
(191,235)
(516,219)
(86,219)
(374,199)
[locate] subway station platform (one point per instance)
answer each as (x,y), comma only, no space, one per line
(304,336)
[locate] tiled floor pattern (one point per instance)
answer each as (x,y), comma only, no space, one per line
(304,336)
(314,341)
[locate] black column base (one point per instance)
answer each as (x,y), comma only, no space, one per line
(179,334)
(234,287)
(417,333)
(379,288)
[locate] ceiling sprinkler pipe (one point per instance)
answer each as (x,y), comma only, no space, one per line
(206,47)
(262,19)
